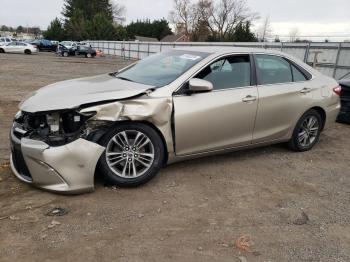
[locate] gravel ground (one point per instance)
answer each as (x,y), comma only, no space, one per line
(292,206)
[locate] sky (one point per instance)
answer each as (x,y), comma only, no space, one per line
(326,18)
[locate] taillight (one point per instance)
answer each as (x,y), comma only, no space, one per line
(337,90)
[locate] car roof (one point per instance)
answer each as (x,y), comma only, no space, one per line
(227,49)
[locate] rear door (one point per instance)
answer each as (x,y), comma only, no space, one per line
(222,118)
(284,94)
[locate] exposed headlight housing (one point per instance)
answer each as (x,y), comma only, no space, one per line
(53,121)
(54,128)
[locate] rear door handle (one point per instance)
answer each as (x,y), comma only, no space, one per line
(305,90)
(249,98)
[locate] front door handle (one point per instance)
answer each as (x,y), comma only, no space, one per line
(305,90)
(249,98)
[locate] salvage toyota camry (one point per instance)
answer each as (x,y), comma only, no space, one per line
(174,105)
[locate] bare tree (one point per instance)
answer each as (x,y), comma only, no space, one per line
(119,11)
(265,30)
(182,15)
(293,34)
(200,30)
(217,17)
(225,15)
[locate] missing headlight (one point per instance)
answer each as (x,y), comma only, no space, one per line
(72,121)
(54,128)
(53,121)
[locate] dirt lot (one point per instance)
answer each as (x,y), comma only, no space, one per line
(192,211)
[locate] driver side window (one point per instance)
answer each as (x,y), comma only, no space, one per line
(228,72)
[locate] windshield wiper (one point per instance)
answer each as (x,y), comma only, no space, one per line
(124,78)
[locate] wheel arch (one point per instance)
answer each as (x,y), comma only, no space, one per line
(149,124)
(322,113)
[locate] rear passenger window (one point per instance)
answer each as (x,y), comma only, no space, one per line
(297,75)
(272,70)
(229,72)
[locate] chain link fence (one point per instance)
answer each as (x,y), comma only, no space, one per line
(332,59)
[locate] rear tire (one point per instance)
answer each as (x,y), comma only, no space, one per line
(88,55)
(27,52)
(307,132)
(2,50)
(65,54)
(132,163)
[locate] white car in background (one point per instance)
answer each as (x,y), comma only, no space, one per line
(6,40)
(18,47)
(69,44)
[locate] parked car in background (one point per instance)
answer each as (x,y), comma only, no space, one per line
(18,47)
(44,45)
(69,44)
(6,40)
(344,115)
(85,50)
(65,51)
(172,106)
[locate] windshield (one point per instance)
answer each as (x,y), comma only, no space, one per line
(163,68)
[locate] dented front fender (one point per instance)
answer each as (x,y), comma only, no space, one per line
(154,110)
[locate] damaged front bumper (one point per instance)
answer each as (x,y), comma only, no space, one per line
(66,169)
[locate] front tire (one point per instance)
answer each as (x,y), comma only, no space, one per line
(27,52)
(134,155)
(2,50)
(65,54)
(307,132)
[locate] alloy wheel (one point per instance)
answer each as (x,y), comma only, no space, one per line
(130,154)
(308,131)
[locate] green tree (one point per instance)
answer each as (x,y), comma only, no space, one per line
(76,26)
(160,29)
(88,8)
(157,29)
(91,19)
(20,29)
(55,31)
(100,27)
(242,33)
(121,33)
(4,28)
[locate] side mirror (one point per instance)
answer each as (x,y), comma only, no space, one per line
(200,85)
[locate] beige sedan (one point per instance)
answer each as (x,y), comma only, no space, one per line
(174,105)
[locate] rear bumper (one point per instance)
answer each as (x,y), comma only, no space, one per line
(332,113)
(66,169)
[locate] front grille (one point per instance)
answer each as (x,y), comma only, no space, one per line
(20,164)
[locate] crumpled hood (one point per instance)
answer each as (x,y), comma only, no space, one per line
(74,93)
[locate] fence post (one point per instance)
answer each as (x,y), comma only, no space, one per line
(307,52)
(337,61)
(281,46)
(123,50)
(148,49)
(138,50)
